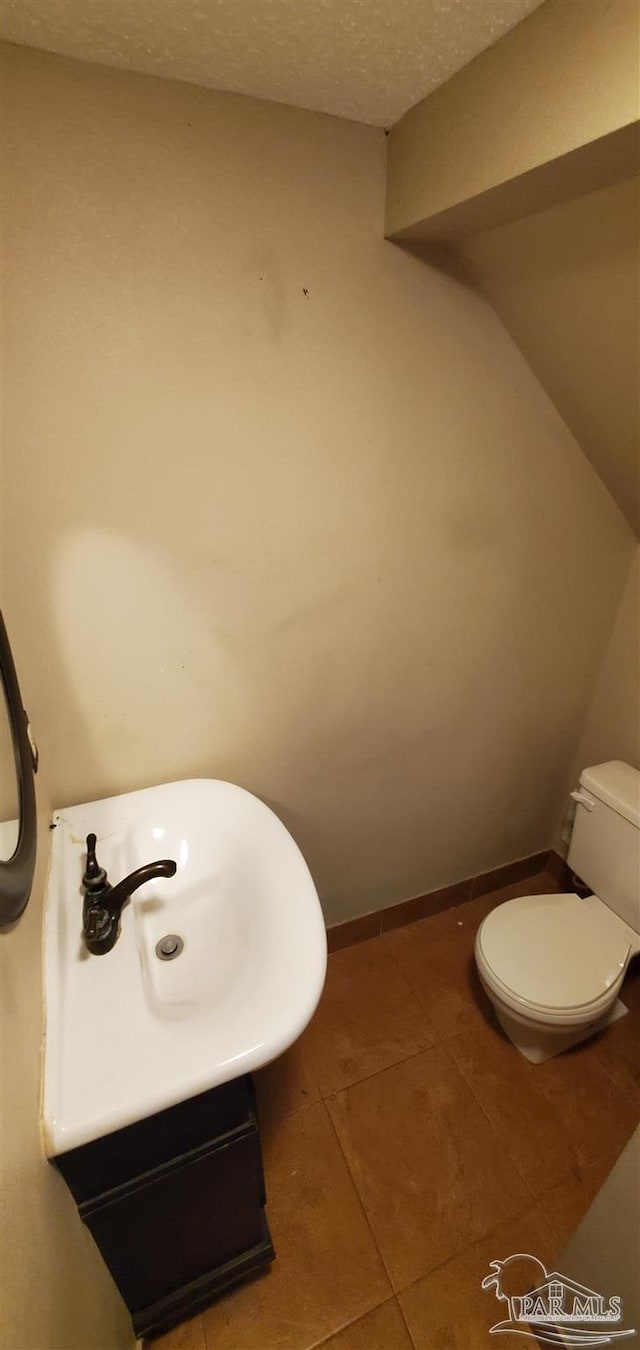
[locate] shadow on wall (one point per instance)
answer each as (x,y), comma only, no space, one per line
(443,257)
(155,684)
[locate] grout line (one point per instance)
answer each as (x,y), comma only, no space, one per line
(366,1078)
(270,1123)
(405,1323)
(469,1246)
(363,1208)
(441,1039)
(532,1201)
(351,1322)
(526,1183)
(503,1149)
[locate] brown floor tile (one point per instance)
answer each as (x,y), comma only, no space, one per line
(367,1019)
(449,1309)
(431,1173)
(436,958)
(382,1329)
(286,1084)
(566,1205)
(598,1116)
(187,1336)
(526,1122)
(618,1051)
(327,1270)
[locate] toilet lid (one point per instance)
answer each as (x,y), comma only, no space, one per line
(552,950)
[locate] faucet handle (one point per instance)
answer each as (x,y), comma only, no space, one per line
(96,920)
(95,877)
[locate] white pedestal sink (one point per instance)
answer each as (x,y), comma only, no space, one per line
(128,1034)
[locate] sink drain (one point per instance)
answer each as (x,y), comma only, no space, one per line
(169,947)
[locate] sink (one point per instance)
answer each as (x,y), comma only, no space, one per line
(128,1033)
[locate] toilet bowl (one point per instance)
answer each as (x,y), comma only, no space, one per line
(553,965)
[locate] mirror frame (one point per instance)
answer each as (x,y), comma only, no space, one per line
(16,873)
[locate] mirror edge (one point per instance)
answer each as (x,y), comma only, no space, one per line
(16,874)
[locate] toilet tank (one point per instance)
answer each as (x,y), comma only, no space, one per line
(605,842)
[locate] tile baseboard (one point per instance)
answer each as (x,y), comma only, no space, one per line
(354,930)
(508,875)
(424,906)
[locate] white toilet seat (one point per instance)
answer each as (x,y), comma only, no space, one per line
(556,959)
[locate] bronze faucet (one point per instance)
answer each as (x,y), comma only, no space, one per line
(103,903)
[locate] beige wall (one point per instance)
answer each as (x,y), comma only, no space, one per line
(612,728)
(284,505)
(565,284)
(551,104)
(56,1292)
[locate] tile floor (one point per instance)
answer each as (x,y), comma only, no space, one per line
(407,1144)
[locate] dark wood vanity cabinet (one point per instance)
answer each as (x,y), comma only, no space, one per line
(176,1203)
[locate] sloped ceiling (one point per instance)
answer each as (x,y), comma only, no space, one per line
(368,60)
(565,283)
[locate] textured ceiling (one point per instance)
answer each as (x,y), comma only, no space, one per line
(368,60)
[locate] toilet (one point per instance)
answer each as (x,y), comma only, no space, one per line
(553,965)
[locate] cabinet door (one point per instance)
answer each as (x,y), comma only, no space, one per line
(182,1221)
(120,1157)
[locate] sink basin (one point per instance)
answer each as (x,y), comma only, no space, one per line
(129,1034)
